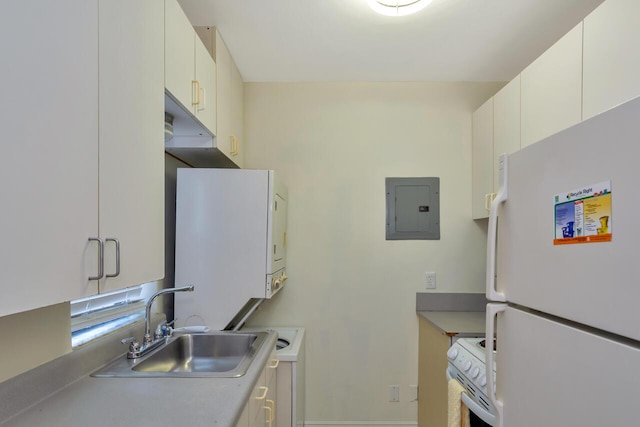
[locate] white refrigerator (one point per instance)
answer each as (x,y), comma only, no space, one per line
(563,272)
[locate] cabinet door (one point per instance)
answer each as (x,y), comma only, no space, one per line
(482,159)
(272,392)
(223,69)
(131,135)
(432,380)
(611,63)
(244,417)
(237,113)
(179,63)
(49,122)
(257,402)
(506,123)
(205,75)
(552,89)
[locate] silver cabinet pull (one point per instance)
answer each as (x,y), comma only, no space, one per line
(100,258)
(117,242)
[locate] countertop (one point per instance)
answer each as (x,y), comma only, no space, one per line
(457,323)
(113,402)
(455,314)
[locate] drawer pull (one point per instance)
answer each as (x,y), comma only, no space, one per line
(264,394)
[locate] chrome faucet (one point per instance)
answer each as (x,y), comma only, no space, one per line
(150,342)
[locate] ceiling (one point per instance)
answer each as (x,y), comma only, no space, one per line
(344,40)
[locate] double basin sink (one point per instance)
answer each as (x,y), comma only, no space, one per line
(214,354)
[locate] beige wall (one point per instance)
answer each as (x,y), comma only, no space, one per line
(334,144)
(32,338)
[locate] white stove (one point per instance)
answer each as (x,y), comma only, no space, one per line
(467,365)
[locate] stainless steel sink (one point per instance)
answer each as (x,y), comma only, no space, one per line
(216,354)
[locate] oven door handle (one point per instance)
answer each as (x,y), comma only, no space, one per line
(482,413)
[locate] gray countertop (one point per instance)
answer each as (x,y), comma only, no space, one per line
(457,323)
(455,314)
(113,402)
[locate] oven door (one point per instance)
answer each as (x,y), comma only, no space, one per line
(478,416)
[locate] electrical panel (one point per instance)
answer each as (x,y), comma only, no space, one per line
(413,208)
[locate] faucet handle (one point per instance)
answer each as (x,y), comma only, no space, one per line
(134,347)
(164,329)
(127,340)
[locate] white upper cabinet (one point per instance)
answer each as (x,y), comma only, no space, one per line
(506,123)
(131,208)
(237,115)
(230,103)
(190,72)
(205,78)
(611,57)
(552,89)
(49,121)
(223,62)
(81,148)
(482,160)
(225,150)
(180,55)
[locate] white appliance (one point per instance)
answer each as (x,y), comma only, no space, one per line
(564,233)
(230,241)
(468,366)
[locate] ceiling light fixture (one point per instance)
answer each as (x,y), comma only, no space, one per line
(397,7)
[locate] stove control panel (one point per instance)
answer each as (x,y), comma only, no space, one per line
(467,365)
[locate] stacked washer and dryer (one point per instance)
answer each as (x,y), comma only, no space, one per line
(231,245)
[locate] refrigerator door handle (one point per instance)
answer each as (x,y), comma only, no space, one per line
(492,311)
(492,235)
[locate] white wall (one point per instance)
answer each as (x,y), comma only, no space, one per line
(334,144)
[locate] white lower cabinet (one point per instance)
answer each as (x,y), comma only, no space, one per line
(79,125)
(260,410)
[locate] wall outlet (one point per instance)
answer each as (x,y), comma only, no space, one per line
(430,279)
(394,393)
(413,393)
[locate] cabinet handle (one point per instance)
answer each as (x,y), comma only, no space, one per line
(488,199)
(204,98)
(264,394)
(234,145)
(117,242)
(197,101)
(276,362)
(100,258)
(272,410)
(269,419)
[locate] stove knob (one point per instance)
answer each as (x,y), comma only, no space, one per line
(475,372)
(466,365)
(452,353)
(483,381)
